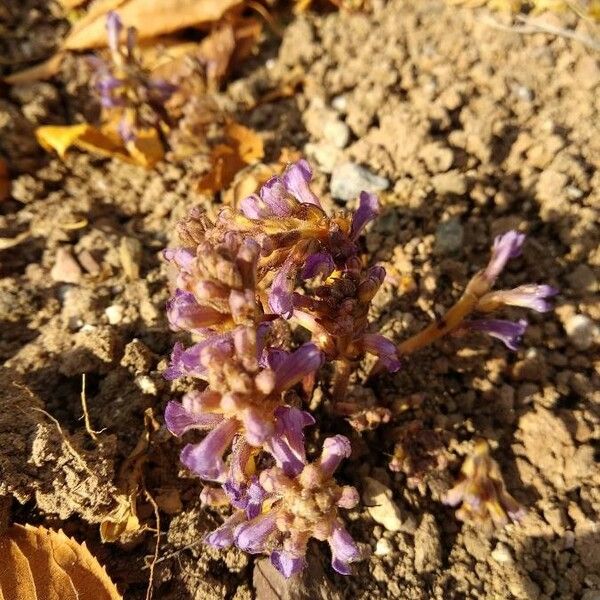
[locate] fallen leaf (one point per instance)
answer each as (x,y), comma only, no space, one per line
(6,243)
(244,147)
(145,151)
(39,563)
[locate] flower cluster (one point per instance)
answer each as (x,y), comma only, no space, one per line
(125,87)
(279,257)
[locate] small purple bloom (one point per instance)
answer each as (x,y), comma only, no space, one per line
(179,419)
(297,178)
(114,26)
(206,458)
(384,349)
(287,444)
(253,536)
(188,361)
(257,429)
(281,299)
(368,209)
(335,449)
(296,365)
(319,263)
(509,332)
(184,312)
(528,296)
(286,563)
(506,246)
(224,536)
(182,258)
(344,550)
(274,196)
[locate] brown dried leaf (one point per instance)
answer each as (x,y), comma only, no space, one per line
(41,564)
(4,180)
(244,147)
(151,18)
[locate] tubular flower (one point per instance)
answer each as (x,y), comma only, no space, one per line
(298,505)
(242,398)
(481,491)
(125,86)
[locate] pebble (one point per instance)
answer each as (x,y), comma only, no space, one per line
(428,549)
(336,132)
(66,269)
(326,155)
(378,500)
(449,236)
(348,180)
(340,103)
(501,553)
(383,547)
(591,595)
(452,182)
(146,384)
(581,331)
(114,313)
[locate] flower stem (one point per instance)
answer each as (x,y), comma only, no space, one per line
(341,378)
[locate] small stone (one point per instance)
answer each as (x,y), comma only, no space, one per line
(114,313)
(449,236)
(326,155)
(452,182)
(581,331)
(88,262)
(348,180)
(383,547)
(130,254)
(146,384)
(378,500)
(501,553)
(66,269)
(591,595)
(428,549)
(340,103)
(336,132)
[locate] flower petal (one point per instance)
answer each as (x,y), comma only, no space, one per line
(344,549)
(282,289)
(223,536)
(531,296)
(297,178)
(179,420)
(296,365)
(383,348)
(206,458)
(506,246)
(114,26)
(509,332)
(335,449)
(367,210)
(319,263)
(286,563)
(184,312)
(253,535)
(256,428)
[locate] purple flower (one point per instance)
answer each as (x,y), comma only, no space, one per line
(184,312)
(286,563)
(282,289)
(344,550)
(224,536)
(296,179)
(319,263)
(531,296)
(296,365)
(253,535)
(509,332)
(114,26)
(368,209)
(180,419)
(506,246)
(287,443)
(256,428)
(247,497)
(206,458)
(187,361)
(335,449)
(384,349)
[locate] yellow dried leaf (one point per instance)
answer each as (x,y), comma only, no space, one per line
(41,564)
(244,147)
(147,148)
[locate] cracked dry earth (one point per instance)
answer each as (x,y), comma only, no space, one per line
(472,131)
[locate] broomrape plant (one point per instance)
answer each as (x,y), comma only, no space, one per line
(281,257)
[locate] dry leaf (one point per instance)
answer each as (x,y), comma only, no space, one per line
(123,522)
(41,564)
(145,151)
(244,147)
